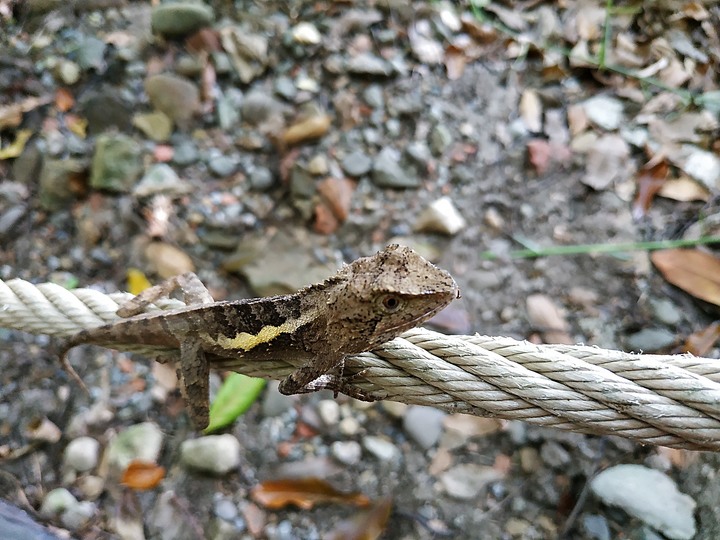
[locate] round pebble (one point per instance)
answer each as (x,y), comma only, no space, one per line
(81,454)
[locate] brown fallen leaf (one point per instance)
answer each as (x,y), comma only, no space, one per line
(11,115)
(304,493)
(142,475)
(695,272)
(366,525)
(64,100)
(313,127)
(650,181)
(700,342)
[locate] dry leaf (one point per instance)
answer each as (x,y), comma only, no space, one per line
(649,181)
(700,342)
(11,115)
(64,100)
(142,475)
(366,525)
(695,272)
(684,189)
(304,493)
(310,128)
(531,110)
(14,149)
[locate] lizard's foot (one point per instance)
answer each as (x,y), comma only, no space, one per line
(336,383)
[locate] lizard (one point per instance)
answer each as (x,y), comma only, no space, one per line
(366,303)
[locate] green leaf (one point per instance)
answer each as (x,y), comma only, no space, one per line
(235,396)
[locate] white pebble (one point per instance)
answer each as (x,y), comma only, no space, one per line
(81,454)
(216,454)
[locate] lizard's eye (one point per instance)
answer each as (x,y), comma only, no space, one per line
(391,303)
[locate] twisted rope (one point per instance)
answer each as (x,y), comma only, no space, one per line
(663,400)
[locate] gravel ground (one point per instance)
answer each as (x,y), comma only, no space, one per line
(261,154)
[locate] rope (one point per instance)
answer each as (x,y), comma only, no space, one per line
(669,400)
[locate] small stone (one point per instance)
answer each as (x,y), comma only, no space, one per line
(227,111)
(347,452)
(285,87)
(604,111)
(651,339)
(305,33)
(596,527)
(161,178)
(440,139)
(553,453)
(180,18)
(261,179)
(156,125)
(104,111)
(56,178)
(91,53)
(77,515)
(329,412)
(81,454)
(374,96)
(225,509)
(116,163)
(666,311)
(356,164)
(467,480)
(441,217)
(57,501)
(90,486)
(349,426)
(68,72)
(649,495)
(257,107)
(423,425)
(529,459)
(141,441)
(217,454)
(419,152)
(368,64)
(176,96)
(318,165)
(388,172)
(223,166)
(381,448)
(186,153)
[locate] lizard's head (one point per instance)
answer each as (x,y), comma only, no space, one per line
(377,298)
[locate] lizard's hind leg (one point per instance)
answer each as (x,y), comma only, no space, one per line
(194,292)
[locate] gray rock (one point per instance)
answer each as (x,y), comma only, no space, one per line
(596,527)
(223,166)
(77,515)
(81,454)
(356,164)
(177,97)
(105,110)
(347,452)
(161,178)
(91,53)
(651,339)
(262,179)
(666,311)
(370,65)
(225,509)
(180,18)
(467,480)
(419,152)
(26,167)
(141,441)
(381,448)
(227,112)
(186,153)
(374,96)
(302,183)
(285,87)
(157,125)
(423,425)
(116,163)
(257,107)
(216,454)
(329,412)
(649,495)
(388,171)
(55,182)
(440,139)
(553,453)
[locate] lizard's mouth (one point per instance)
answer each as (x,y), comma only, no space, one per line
(400,327)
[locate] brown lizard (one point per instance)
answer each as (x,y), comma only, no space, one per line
(368,302)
